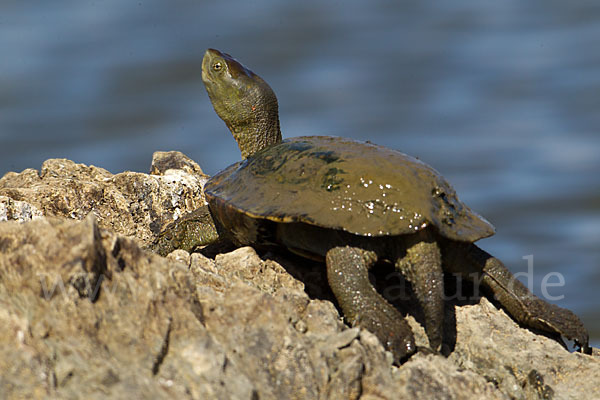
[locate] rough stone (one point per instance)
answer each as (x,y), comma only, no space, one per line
(139,336)
(444,381)
(519,361)
(130,203)
(86,312)
(14,210)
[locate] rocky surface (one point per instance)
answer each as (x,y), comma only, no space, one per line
(87,312)
(129,203)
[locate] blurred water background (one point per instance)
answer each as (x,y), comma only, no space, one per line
(503,98)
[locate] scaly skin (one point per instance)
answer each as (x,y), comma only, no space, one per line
(422,267)
(191,231)
(243,100)
(473,263)
(348,277)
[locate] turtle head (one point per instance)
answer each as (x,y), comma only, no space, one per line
(243,100)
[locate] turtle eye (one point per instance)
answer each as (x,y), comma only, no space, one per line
(217,66)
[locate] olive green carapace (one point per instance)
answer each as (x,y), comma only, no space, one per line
(352,203)
(343,184)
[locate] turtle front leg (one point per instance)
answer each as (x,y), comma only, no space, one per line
(421,265)
(348,276)
(190,231)
(470,261)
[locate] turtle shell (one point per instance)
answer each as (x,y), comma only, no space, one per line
(343,184)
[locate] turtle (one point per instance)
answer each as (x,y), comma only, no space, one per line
(351,204)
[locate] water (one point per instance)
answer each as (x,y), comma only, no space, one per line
(500,97)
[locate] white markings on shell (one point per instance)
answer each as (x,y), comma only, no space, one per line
(377,207)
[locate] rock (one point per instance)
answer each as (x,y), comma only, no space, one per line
(138,335)
(14,210)
(163,162)
(130,203)
(87,312)
(244,264)
(517,360)
(444,381)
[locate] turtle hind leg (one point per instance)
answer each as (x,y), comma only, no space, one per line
(421,265)
(527,309)
(348,276)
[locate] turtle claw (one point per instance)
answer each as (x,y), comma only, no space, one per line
(552,318)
